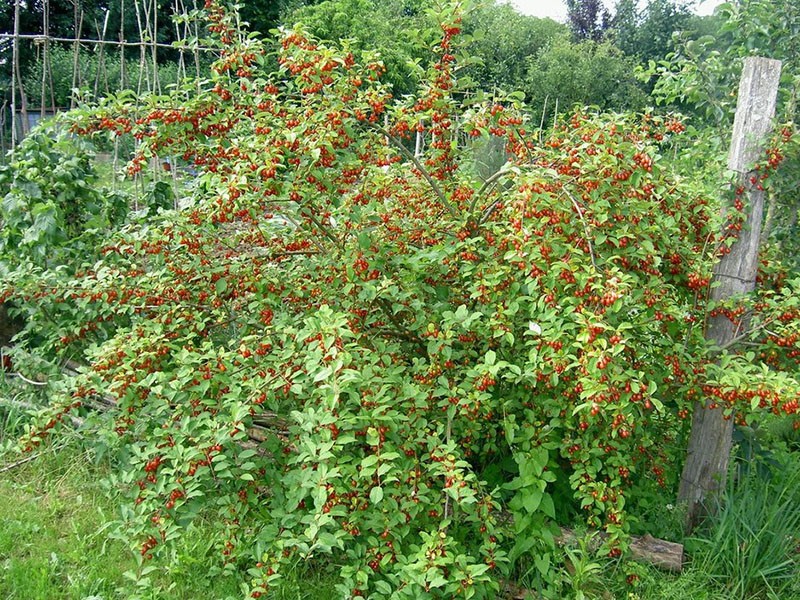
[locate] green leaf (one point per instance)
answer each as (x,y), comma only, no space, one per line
(461,313)
(547,506)
(542,563)
(376,495)
(369,461)
(531,499)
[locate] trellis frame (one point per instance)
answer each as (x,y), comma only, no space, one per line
(146,12)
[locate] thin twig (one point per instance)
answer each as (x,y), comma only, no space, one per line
(400,330)
(736,339)
(448,434)
(486,185)
(19,463)
(541,124)
(30,381)
(324,230)
(488,211)
(434,186)
(585,226)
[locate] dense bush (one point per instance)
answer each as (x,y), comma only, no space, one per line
(503,44)
(400,30)
(587,72)
(339,348)
(53,205)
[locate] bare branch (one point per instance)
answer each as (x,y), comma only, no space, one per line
(738,338)
(30,381)
(405,152)
(19,463)
(486,186)
(585,226)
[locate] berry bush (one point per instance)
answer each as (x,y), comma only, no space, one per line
(342,348)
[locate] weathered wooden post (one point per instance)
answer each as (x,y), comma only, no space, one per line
(706,467)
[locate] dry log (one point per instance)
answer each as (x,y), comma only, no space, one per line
(660,553)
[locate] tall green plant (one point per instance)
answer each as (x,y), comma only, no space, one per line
(566,73)
(503,43)
(702,72)
(53,206)
(752,547)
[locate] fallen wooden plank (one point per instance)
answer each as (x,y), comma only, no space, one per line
(659,553)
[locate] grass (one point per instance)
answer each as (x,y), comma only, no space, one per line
(57,524)
(751,550)
(54,542)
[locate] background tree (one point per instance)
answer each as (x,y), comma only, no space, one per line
(699,76)
(504,44)
(588,19)
(30,21)
(660,20)
(588,72)
(264,15)
(625,25)
(647,33)
(399,30)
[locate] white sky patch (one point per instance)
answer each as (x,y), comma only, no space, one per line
(557,9)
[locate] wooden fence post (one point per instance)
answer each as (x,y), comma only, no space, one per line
(706,467)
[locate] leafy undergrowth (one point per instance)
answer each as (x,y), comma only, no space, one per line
(58,525)
(56,541)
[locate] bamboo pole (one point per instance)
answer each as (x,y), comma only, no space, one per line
(101,63)
(16,82)
(46,29)
(88,41)
(196,51)
(142,50)
(76,70)
(122,44)
(154,47)
(3,130)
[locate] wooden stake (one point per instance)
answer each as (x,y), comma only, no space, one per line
(16,82)
(706,467)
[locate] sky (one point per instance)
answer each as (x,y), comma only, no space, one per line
(557,9)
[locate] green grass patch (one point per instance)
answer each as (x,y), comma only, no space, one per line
(55,521)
